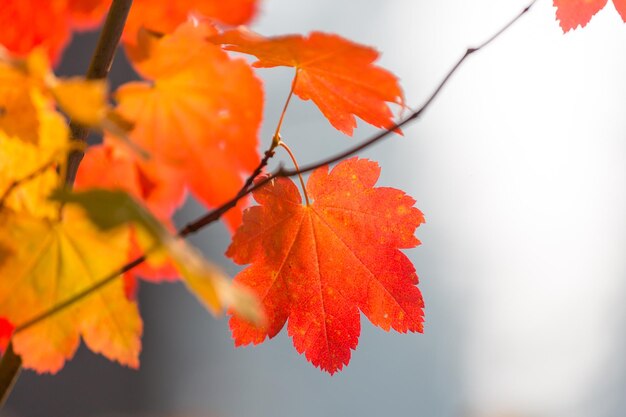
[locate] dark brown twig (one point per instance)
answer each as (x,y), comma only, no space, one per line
(9,372)
(99,67)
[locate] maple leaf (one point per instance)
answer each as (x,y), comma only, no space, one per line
(26,177)
(83,100)
(318,265)
(164,16)
(47,261)
(22,103)
(34,141)
(338,75)
(574,13)
(86,14)
(27,24)
(200,115)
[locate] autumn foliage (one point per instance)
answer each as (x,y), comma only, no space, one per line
(316,257)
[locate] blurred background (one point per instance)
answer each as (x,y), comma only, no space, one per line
(520,169)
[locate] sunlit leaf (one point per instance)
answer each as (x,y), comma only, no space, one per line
(317,266)
(200,114)
(338,75)
(51,261)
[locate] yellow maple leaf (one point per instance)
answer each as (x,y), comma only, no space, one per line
(20,103)
(48,261)
(34,141)
(83,100)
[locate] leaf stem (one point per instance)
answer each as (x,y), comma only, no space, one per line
(99,67)
(276,137)
(250,186)
(295,163)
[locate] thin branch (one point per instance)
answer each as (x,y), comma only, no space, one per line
(99,67)
(276,137)
(215,214)
(250,186)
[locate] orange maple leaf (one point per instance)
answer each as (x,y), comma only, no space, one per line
(27,24)
(337,74)
(574,13)
(318,265)
(164,16)
(200,115)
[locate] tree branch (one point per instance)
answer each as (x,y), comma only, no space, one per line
(99,67)
(250,186)
(10,367)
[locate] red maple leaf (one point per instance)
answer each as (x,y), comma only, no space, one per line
(574,13)
(319,264)
(338,75)
(27,24)
(164,16)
